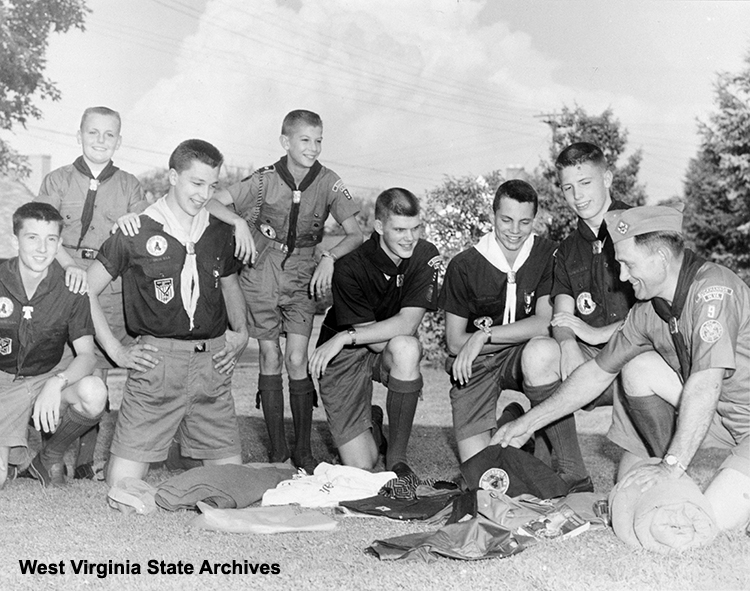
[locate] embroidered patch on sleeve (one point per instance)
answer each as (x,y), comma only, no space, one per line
(585,303)
(715,292)
(711,331)
(339,186)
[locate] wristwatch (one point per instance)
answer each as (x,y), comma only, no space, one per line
(64,379)
(673,461)
(328,253)
(353,334)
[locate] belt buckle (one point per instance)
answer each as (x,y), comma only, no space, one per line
(88,253)
(200,347)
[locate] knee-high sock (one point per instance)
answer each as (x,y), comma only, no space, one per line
(654,419)
(271,398)
(401,403)
(302,398)
(71,427)
(87,446)
(561,435)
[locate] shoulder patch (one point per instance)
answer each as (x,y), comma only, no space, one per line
(260,170)
(585,303)
(340,187)
(711,331)
(436,262)
(6,307)
(715,292)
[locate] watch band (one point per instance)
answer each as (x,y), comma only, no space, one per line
(64,378)
(329,254)
(353,334)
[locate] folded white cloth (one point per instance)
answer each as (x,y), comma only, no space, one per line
(261,520)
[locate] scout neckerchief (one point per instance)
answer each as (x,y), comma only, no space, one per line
(190,289)
(490,249)
(671,314)
(286,176)
(94,182)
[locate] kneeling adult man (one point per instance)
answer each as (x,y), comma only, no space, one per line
(496,297)
(38,315)
(688,344)
(380,294)
(181,291)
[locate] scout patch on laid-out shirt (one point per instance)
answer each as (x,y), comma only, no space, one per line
(6,346)
(585,303)
(156,245)
(164,289)
(6,307)
(495,479)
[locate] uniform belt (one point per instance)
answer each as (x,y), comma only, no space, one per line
(303,250)
(198,346)
(84,253)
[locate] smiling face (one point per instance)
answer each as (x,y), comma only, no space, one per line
(37,242)
(644,268)
(586,190)
(193,187)
(303,146)
(99,137)
(514,222)
(399,235)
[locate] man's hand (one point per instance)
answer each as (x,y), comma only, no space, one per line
(515,433)
(647,476)
(76,279)
(321,281)
(322,356)
(585,332)
(136,356)
(235,344)
(244,244)
(571,358)
(46,413)
(129,224)
(470,350)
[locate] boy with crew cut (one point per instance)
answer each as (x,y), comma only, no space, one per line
(589,300)
(91,194)
(181,294)
(281,210)
(496,297)
(381,291)
(38,316)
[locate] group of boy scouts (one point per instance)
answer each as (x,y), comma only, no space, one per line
(620,313)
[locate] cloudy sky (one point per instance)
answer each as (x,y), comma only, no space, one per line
(409,90)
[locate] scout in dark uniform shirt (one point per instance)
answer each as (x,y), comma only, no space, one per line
(589,300)
(91,195)
(489,318)
(38,316)
(380,294)
(181,287)
(282,212)
(688,342)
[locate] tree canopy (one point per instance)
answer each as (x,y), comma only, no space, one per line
(25,26)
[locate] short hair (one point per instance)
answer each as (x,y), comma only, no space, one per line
(106,111)
(579,153)
(396,201)
(35,210)
(517,190)
(294,118)
(200,150)
(674,241)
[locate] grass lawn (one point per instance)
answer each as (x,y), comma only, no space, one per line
(76,524)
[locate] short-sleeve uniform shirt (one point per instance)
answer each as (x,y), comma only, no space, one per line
(33,332)
(369,287)
(473,287)
(590,275)
(150,264)
(715,323)
(327,193)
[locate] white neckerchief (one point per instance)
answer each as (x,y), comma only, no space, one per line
(190,289)
(490,249)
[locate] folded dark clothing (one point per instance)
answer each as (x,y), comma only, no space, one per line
(513,472)
(402,509)
(475,539)
(227,486)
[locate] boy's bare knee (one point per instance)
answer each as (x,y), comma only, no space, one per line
(405,353)
(92,394)
(540,361)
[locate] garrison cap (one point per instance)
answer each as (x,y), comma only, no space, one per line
(626,223)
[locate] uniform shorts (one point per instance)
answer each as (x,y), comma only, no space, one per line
(182,395)
(475,404)
(346,390)
(623,433)
(278,300)
(17,397)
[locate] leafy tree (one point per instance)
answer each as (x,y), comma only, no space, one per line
(25,26)
(575,125)
(717,182)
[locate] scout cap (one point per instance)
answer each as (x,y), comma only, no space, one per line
(626,223)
